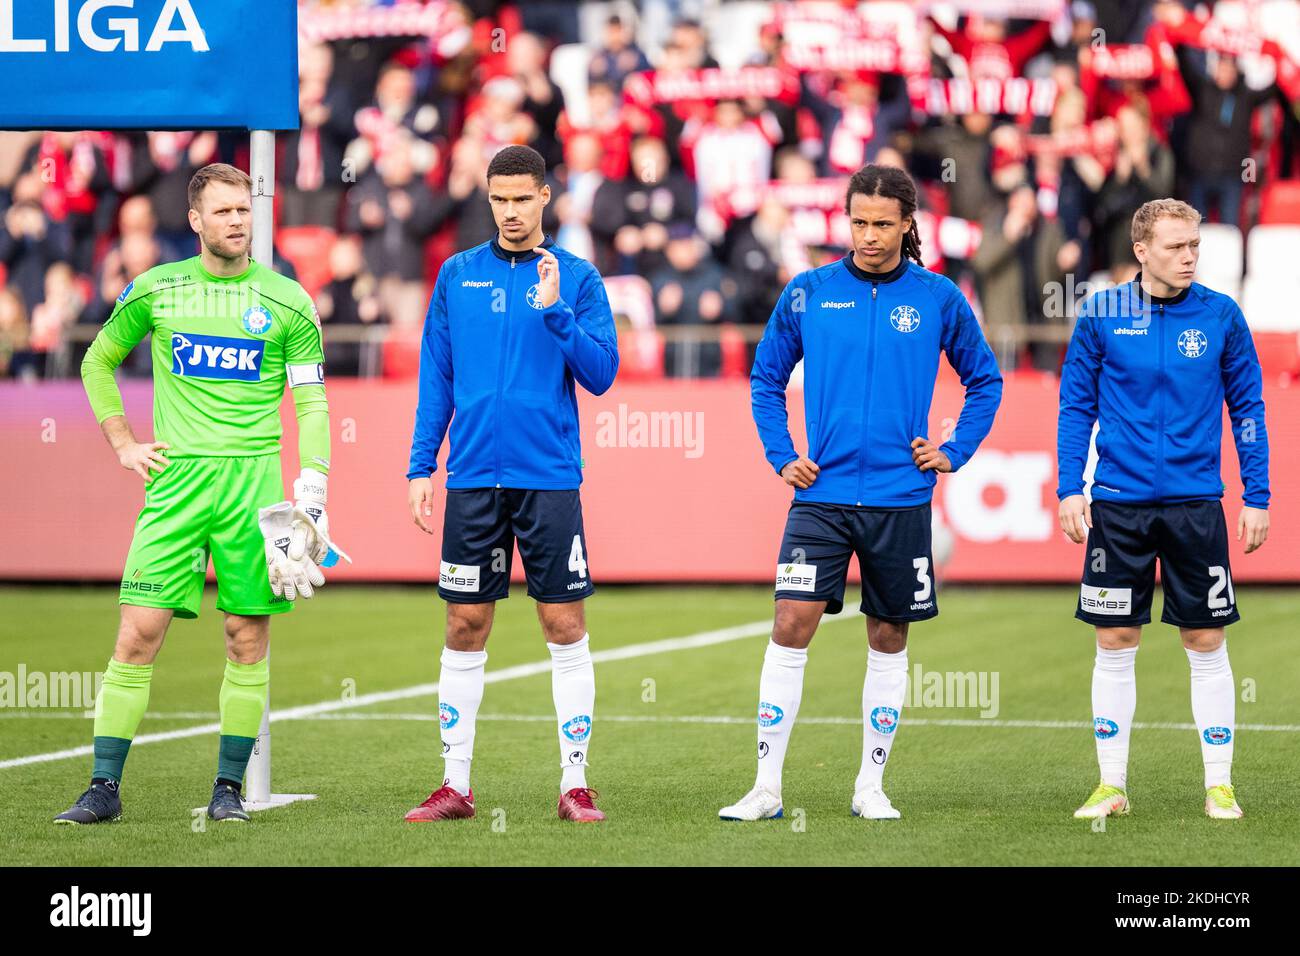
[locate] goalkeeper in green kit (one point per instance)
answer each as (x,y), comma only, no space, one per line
(228,333)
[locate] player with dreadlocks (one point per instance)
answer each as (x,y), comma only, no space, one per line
(869,329)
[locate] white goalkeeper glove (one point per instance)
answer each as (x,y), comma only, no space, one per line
(289,577)
(311,527)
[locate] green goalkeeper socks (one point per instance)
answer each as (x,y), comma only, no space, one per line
(123,699)
(243,698)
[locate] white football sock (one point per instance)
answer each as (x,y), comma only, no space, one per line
(779,690)
(460,691)
(1214,705)
(882,705)
(573,687)
(1114,699)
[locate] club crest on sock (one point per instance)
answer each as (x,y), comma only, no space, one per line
(769,715)
(884,720)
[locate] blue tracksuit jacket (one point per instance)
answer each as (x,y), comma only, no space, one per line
(507,367)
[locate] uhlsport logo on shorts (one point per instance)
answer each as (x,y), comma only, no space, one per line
(1192,343)
(257,321)
(884,720)
(905,318)
(1105,600)
(448,716)
(534,296)
(459,577)
(796,577)
(577,728)
(1217,735)
(1104,728)
(215,356)
(769,715)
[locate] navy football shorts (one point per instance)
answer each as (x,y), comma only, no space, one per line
(478,545)
(1119,568)
(893,549)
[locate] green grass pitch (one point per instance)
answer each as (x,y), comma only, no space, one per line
(673,740)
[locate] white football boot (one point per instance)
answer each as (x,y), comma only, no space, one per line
(872,804)
(759,804)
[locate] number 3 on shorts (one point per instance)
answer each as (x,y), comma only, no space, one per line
(576,560)
(922,566)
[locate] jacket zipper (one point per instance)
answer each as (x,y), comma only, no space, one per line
(501,361)
(1160,410)
(866,394)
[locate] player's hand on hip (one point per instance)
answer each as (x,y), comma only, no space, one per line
(548,278)
(1252,524)
(928,457)
(144,457)
(419,496)
(1076,517)
(801,472)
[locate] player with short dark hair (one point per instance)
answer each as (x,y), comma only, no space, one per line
(1151,363)
(513,324)
(870,329)
(228,334)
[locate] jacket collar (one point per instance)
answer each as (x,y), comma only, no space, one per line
(865,276)
(529,256)
(1145,296)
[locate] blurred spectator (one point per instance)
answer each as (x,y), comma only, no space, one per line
(162,165)
(394,213)
(618,55)
(612,123)
(543,101)
(1217,137)
(754,257)
(689,37)
(498,119)
(60,307)
(1144,170)
(988,51)
(311,158)
(581,178)
(691,290)
(74,173)
(351,298)
(854,125)
(1016,261)
(29,241)
(631,217)
(17,360)
(731,157)
(395,117)
(956,152)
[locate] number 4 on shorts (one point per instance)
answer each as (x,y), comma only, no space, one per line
(576,560)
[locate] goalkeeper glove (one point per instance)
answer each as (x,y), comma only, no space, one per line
(289,577)
(311,527)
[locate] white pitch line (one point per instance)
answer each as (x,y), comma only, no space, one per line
(644,649)
(852,721)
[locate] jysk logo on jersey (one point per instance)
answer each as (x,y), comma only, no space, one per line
(1193,343)
(126,292)
(534,296)
(448,716)
(215,356)
(884,720)
(1217,735)
(905,318)
(459,577)
(578,728)
(1103,728)
(257,321)
(769,715)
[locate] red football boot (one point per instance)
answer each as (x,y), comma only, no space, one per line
(576,805)
(445,803)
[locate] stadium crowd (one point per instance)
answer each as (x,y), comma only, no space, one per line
(697,153)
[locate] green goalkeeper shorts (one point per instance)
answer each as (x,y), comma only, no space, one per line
(196,507)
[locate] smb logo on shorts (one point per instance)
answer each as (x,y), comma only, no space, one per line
(577,728)
(796,577)
(905,318)
(459,577)
(1103,728)
(534,296)
(769,715)
(884,720)
(1217,735)
(215,356)
(448,716)
(1192,343)
(1105,600)
(257,321)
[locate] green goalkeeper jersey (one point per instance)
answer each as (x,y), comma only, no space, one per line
(223,349)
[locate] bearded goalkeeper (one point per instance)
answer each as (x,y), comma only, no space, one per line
(227,334)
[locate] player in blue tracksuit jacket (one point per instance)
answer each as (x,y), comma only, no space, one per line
(1151,363)
(870,329)
(513,325)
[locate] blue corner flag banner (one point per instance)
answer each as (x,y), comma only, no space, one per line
(149,64)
